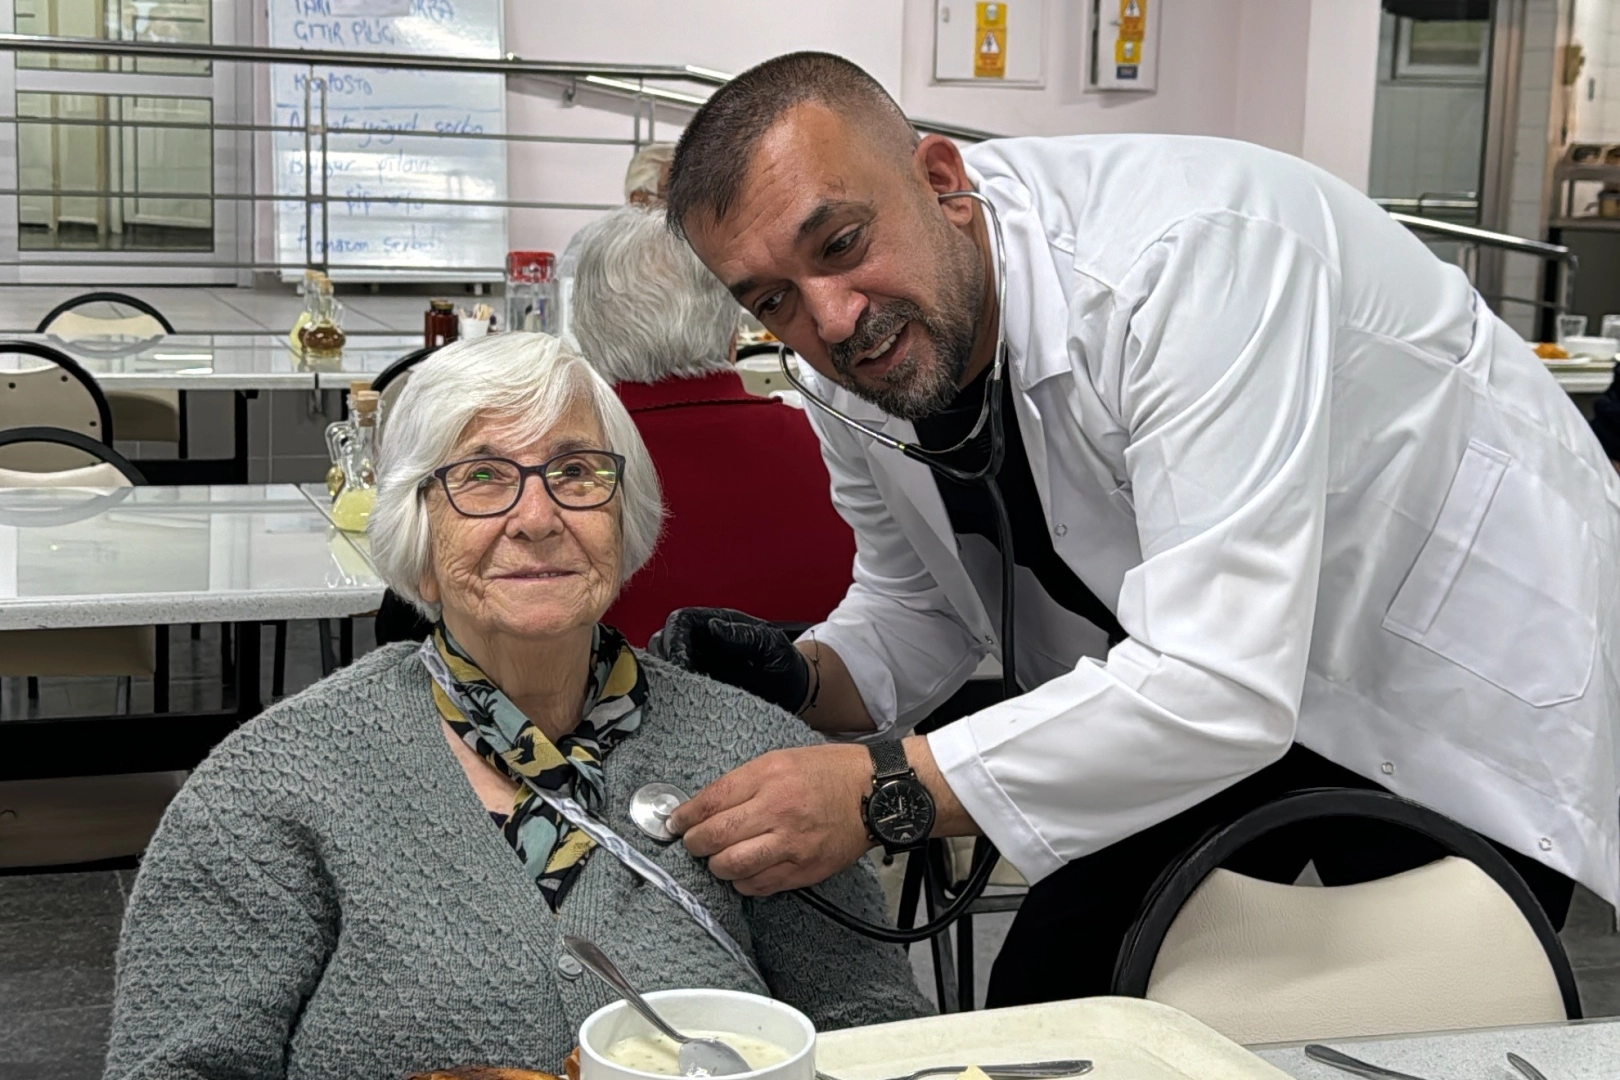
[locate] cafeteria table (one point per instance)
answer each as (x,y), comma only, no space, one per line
(365,358)
(81,557)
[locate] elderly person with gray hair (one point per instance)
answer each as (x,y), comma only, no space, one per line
(373,878)
(751,521)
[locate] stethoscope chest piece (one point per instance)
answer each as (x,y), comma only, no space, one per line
(651,806)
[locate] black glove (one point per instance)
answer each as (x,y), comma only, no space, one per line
(738,649)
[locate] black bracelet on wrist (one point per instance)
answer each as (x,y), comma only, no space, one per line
(815,665)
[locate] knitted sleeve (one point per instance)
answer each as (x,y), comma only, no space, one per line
(226,934)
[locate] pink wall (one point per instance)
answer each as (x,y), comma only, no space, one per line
(1296,75)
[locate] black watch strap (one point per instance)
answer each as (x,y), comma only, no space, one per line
(888,759)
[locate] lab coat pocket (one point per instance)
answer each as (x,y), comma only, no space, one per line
(1482,595)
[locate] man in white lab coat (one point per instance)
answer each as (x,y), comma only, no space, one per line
(1290,506)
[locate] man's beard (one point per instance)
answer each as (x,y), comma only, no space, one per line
(920,385)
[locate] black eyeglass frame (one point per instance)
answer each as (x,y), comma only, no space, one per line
(442,475)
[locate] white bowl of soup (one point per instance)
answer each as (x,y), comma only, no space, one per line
(615,1043)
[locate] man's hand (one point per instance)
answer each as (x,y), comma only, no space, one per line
(738,649)
(782,821)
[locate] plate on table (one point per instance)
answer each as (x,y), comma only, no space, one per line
(1122,1037)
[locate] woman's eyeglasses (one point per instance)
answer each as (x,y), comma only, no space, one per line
(491,486)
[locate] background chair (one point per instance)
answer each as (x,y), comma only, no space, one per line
(55,393)
(141,415)
(391,382)
(118,651)
(1459,943)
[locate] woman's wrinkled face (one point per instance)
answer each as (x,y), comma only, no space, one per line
(537,571)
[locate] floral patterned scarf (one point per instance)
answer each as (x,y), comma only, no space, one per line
(551,849)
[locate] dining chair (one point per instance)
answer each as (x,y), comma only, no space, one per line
(1459,943)
(141,415)
(390,383)
(49,389)
(122,652)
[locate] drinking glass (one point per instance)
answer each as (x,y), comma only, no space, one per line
(1571,326)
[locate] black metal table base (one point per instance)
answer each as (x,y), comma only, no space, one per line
(108,745)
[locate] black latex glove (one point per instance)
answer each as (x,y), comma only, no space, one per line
(735,648)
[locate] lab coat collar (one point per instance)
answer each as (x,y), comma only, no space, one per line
(1037,316)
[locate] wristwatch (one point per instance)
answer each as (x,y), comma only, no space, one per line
(899,814)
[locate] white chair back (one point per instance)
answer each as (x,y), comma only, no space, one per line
(40,394)
(100,475)
(1438,948)
(77,326)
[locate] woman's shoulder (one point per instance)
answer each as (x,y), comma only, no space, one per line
(703,709)
(325,721)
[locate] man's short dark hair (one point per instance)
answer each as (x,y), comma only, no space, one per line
(713,155)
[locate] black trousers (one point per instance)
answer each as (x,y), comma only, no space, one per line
(1067,935)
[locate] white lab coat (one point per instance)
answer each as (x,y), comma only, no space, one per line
(1328,493)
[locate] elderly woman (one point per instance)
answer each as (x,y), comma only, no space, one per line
(374,877)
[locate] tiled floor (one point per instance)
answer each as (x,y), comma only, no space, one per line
(58,931)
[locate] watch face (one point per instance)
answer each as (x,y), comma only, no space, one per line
(900,813)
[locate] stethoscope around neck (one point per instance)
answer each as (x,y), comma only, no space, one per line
(984,853)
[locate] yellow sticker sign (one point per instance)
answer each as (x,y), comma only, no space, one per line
(990,41)
(1132,31)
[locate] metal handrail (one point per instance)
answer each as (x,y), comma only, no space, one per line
(1476,238)
(610,78)
(1486,238)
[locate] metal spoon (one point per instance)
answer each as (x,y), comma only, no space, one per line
(1329,1056)
(697,1056)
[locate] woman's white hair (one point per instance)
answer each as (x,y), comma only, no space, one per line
(646,171)
(529,380)
(644,307)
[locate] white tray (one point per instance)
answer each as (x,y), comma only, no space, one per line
(1125,1038)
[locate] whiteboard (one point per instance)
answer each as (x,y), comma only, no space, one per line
(378,176)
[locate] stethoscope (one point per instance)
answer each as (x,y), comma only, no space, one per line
(651,806)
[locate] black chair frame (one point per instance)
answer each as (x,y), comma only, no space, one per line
(104,297)
(71,366)
(79,441)
(102,452)
(1181,878)
(760,348)
(402,365)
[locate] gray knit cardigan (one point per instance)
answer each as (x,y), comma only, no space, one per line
(327,897)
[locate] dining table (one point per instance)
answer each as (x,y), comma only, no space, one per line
(1137,1039)
(240,555)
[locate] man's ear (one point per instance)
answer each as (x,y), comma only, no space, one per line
(939,165)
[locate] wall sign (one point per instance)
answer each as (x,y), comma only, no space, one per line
(995,43)
(1125,44)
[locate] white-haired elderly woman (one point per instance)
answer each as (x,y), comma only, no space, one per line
(374,877)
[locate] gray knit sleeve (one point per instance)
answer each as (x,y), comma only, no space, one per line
(225,937)
(834,976)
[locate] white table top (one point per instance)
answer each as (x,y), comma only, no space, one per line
(1592,377)
(1582,1051)
(219,361)
(365,357)
(73,557)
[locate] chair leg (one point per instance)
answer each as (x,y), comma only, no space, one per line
(323,632)
(278,663)
(227,653)
(33,690)
(160,674)
(185,442)
(964,963)
(940,946)
(346,642)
